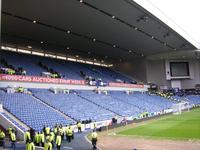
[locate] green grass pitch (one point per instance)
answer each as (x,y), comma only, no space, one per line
(184,126)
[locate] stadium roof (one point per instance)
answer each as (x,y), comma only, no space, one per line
(117,29)
(180,15)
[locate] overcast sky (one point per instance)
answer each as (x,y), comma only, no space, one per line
(181,15)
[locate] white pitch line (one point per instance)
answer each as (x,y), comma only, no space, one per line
(68,147)
(39,147)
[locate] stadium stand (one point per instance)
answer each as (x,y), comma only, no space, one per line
(31,111)
(13,121)
(73,105)
(106,101)
(28,62)
(193,99)
(129,105)
(149,103)
(72,69)
(68,70)
(79,105)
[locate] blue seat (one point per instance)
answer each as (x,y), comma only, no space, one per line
(30,111)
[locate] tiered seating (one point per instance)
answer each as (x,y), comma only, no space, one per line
(132,100)
(66,69)
(129,105)
(69,70)
(74,106)
(80,105)
(1,91)
(31,111)
(13,121)
(193,99)
(155,103)
(112,75)
(108,102)
(176,98)
(28,62)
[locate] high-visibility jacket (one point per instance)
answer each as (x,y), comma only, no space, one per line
(27,136)
(48,146)
(9,130)
(2,135)
(47,130)
(9,71)
(55,75)
(52,137)
(13,137)
(55,130)
(79,125)
(48,137)
(20,89)
(30,146)
(52,75)
(27,146)
(58,140)
(66,130)
(37,138)
(42,137)
(69,132)
(94,125)
(94,135)
(12,71)
(61,131)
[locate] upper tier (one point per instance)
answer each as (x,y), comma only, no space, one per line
(67,69)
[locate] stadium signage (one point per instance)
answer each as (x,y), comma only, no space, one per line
(19,78)
(112,84)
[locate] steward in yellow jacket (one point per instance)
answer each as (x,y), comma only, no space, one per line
(27,136)
(2,138)
(48,145)
(30,145)
(58,141)
(94,139)
(69,134)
